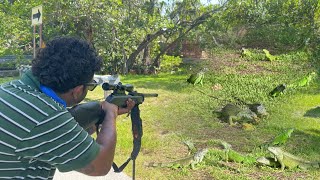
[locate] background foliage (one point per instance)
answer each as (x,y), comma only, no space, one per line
(146,36)
(134,35)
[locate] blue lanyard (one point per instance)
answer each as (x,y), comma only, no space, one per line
(49,92)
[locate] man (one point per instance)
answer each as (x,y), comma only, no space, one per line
(37,133)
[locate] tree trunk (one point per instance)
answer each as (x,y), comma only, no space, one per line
(151,37)
(143,45)
(195,23)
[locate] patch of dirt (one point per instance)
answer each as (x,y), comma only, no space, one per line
(241,140)
(241,66)
(278,175)
(200,175)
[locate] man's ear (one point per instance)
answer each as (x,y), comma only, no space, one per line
(77,91)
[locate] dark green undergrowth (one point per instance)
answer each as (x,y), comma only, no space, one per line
(183,111)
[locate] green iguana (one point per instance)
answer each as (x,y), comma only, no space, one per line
(227,154)
(197,78)
(290,161)
(232,113)
(279,140)
(283,137)
(245,53)
(233,156)
(305,81)
(184,162)
(269,57)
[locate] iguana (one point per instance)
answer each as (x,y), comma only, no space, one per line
(232,113)
(234,156)
(245,53)
(221,157)
(191,148)
(278,140)
(258,108)
(268,161)
(184,162)
(268,56)
(305,81)
(197,78)
(283,137)
(278,90)
(290,161)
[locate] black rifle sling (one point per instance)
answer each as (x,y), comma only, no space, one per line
(137,134)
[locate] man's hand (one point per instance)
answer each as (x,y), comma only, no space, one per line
(114,109)
(130,105)
(109,108)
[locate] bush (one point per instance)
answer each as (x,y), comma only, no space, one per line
(169,63)
(10,65)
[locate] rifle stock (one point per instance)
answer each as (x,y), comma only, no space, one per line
(87,114)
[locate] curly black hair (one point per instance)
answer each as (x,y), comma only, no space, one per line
(65,63)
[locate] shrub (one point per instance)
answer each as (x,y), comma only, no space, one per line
(169,63)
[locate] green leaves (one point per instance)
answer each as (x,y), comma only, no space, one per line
(169,63)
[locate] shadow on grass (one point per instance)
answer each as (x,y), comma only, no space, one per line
(308,142)
(165,81)
(313,113)
(304,142)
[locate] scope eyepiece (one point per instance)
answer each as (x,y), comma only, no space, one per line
(119,86)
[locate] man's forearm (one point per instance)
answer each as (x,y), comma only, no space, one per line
(107,141)
(107,137)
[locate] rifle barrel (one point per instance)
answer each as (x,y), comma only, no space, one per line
(150,95)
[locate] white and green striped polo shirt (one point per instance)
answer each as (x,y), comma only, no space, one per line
(38,135)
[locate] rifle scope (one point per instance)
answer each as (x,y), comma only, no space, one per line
(119,86)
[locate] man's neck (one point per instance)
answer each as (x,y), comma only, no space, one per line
(49,92)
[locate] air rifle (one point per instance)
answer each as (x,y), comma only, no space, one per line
(88,114)
(119,96)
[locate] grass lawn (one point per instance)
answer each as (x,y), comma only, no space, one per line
(186,112)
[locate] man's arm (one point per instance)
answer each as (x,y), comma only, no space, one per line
(107,140)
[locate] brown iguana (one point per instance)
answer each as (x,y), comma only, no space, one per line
(191,148)
(257,108)
(290,161)
(232,113)
(184,162)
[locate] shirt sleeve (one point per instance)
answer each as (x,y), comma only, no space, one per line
(59,141)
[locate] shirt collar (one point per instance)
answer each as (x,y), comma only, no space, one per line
(29,79)
(49,92)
